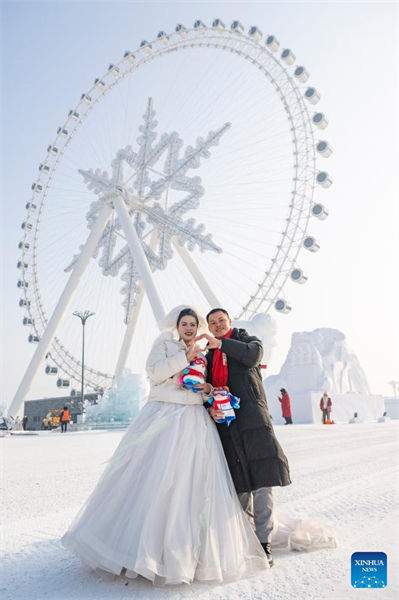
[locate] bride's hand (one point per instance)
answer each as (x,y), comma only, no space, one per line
(203,387)
(192,351)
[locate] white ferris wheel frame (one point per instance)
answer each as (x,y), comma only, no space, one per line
(295,99)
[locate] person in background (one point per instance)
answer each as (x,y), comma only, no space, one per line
(325,407)
(64,419)
(24,422)
(17,424)
(286,406)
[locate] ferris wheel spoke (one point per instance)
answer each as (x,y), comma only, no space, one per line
(231,104)
(185,101)
(240,259)
(251,226)
(226,281)
(233,271)
(205,111)
(179,68)
(92,146)
(126,122)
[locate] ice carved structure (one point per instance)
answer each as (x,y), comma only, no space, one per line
(319,361)
(122,402)
(264,327)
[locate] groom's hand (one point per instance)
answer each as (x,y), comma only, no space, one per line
(212,341)
(216,414)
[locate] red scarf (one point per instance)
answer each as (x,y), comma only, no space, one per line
(220,371)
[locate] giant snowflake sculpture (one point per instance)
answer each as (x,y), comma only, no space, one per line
(142,200)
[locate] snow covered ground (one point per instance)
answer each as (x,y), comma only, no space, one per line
(345,472)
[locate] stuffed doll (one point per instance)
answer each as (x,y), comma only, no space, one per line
(195,373)
(223,400)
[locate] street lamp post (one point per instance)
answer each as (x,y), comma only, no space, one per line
(83,317)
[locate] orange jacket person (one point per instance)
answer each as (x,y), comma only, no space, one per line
(65,417)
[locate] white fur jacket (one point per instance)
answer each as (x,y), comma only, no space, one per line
(166,361)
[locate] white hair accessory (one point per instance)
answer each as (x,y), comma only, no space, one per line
(169,321)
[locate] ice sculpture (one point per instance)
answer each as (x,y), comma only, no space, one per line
(264,327)
(121,402)
(320,360)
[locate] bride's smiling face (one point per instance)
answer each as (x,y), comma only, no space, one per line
(187,328)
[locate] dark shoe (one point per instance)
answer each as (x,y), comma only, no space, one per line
(268,549)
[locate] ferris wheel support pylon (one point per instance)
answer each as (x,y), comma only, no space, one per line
(59,311)
(196,274)
(155,298)
(134,317)
(129,333)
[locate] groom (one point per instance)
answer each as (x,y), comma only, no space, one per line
(255,458)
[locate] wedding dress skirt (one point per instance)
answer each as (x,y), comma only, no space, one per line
(166,507)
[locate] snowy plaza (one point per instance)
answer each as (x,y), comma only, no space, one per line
(345,473)
(200,388)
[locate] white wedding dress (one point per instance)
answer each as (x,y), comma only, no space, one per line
(166,507)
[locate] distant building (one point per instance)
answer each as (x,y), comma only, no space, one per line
(36,410)
(392,407)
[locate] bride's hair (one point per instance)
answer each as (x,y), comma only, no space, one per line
(170,321)
(187,312)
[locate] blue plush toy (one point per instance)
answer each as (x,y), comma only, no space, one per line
(223,400)
(195,373)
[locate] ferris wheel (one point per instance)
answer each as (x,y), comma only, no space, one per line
(120,221)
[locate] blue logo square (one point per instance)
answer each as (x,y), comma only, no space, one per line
(369,570)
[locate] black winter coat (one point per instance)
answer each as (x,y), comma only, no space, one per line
(254,456)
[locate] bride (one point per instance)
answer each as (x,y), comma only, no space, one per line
(165,507)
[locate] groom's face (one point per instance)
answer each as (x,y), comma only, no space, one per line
(219,324)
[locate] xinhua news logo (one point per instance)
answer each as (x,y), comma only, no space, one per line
(369,570)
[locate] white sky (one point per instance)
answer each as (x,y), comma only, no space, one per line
(53,51)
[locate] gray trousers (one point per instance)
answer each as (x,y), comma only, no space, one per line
(259,506)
